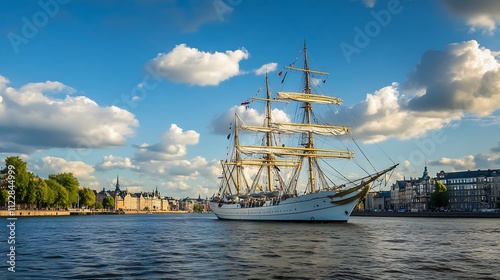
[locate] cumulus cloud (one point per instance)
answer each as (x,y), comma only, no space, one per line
(463,77)
(266,68)
(116,162)
(182,168)
(463,163)
(184,176)
(45,115)
(222,124)
(384,114)
(53,165)
(479,14)
(488,160)
(446,85)
(171,147)
(190,65)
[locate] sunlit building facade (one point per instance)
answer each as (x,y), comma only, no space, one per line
(471,190)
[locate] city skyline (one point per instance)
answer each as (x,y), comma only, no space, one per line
(146,90)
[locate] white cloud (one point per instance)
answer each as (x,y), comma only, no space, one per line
(34,118)
(190,65)
(266,68)
(183,169)
(487,160)
(479,14)
(383,115)
(171,147)
(221,124)
(116,162)
(445,86)
(186,190)
(485,22)
(465,163)
(53,165)
(184,176)
(464,78)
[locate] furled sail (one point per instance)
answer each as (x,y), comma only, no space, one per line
(295,151)
(300,128)
(313,98)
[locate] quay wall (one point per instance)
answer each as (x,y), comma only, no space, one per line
(429,214)
(43,213)
(31,213)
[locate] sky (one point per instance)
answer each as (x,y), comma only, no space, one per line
(146,89)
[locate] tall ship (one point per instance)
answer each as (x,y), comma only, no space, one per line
(288,173)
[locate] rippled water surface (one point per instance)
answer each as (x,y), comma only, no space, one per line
(198,246)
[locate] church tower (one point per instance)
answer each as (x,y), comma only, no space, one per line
(117,187)
(425,175)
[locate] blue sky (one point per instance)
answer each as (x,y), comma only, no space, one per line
(142,88)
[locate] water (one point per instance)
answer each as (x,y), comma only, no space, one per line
(197,246)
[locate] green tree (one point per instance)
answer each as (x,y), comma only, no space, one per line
(108,202)
(98,206)
(37,192)
(60,193)
(4,197)
(439,198)
(87,197)
(50,200)
(68,181)
(198,208)
(30,194)
(22,177)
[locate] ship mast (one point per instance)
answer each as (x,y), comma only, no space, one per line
(268,134)
(307,108)
(238,156)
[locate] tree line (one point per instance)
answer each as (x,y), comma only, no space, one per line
(61,190)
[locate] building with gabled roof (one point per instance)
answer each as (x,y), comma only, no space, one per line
(413,194)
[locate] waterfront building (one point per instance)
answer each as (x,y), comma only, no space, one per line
(129,201)
(203,203)
(380,200)
(471,190)
(413,194)
(99,196)
(172,203)
(186,204)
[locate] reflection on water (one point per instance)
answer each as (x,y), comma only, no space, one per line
(195,246)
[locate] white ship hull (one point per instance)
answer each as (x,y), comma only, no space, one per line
(324,206)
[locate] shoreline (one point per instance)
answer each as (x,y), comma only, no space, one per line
(429,214)
(64,213)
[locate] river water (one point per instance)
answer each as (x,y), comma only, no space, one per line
(198,246)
